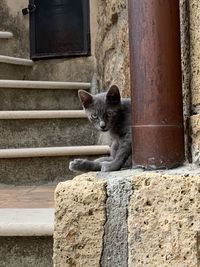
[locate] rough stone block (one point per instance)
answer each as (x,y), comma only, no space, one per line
(128,218)
(163,220)
(80,218)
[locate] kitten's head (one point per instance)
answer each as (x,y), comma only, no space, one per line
(102,109)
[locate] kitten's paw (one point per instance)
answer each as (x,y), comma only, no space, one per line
(75,165)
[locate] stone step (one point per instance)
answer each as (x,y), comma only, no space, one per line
(48,99)
(35,95)
(41,165)
(26,251)
(16,61)
(47,131)
(16,72)
(67,69)
(5,35)
(26,197)
(26,225)
(26,210)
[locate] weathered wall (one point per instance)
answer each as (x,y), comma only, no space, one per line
(112,48)
(194,8)
(195,134)
(195,52)
(128,218)
(185,55)
(11,19)
(112,51)
(68,69)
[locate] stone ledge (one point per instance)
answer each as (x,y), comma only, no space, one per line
(128,218)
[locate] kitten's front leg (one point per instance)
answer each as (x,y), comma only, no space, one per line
(84,165)
(122,154)
(103,159)
(114,148)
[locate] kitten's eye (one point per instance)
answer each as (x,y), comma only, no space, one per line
(94,116)
(109,113)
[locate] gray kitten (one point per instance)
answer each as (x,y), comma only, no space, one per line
(108,112)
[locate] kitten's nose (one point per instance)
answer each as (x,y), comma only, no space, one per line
(102,125)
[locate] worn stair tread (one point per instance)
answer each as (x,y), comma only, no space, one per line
(16,61)
(36,196)
(43,84)
(26,222)
(42,114)
(54,151)
(5,35)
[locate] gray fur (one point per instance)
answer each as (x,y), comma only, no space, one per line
(108,112)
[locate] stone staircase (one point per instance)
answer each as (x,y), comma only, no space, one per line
(42,128)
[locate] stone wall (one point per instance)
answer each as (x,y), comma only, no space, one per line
(194,6)
(112,51)
(128,218)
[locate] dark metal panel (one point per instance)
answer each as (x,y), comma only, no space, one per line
(155,55)
(60,28)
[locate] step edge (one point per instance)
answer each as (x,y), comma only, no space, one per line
(16,60)
(26,230)
(6,35)
(54,151)
(14,222)
(43,84)
(42,114)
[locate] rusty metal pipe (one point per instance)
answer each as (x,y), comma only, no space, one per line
(155,64)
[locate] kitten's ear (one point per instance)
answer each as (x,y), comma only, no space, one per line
(113,95)
(85,98)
